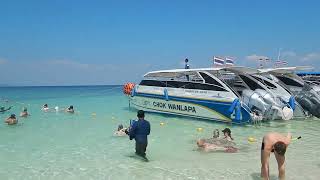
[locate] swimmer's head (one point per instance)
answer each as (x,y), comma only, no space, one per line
(120,127)
(70,107)
(216,133)
(45,105)
(140,114)
(12,116)
(228,131)
(25,109)
(280,148)
(200,142)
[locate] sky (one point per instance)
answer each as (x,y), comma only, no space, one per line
(61,42)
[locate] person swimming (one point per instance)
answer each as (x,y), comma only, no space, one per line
(70,109)
(121,131)
(24,113)
(12,120)
(45,107)
(227,134)
(216,133)
(3,109)
(225,142)
(211,147)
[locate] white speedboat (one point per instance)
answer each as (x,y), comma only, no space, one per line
(311,78)
(221,94)
(306,93)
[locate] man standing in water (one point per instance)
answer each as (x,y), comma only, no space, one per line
(140,131)
(276,143)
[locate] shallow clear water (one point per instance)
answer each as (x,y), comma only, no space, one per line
(81,146)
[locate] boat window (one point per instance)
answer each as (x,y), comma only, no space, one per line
(289,81)
(268,84)
(153,83)
(209,79)
(181,84)
(251,83)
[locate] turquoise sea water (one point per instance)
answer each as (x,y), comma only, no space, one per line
(81,146)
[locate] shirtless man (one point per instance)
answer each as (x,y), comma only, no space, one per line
(277,143)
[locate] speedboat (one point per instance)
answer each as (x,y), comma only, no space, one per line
(249,83)
(311,78)
(306,94)
(224,94)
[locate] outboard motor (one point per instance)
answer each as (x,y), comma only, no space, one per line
(265,104)
(278,109)
(254,101)
(309,99)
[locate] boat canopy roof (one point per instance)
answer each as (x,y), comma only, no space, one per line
(183,72)
(285,70)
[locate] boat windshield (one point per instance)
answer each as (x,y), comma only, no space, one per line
(191,80)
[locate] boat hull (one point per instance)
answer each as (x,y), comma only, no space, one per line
(202,109)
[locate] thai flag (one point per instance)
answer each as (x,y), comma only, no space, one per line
(219,61)
(229,61)
(281,63)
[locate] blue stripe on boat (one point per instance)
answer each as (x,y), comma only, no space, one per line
(220,107)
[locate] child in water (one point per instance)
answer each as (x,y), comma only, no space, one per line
(227,134)
(121,131)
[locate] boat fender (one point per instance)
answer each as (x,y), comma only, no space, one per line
(292,103)
(238,111)
(132,122)
(166,95)
(233,106)
(133,92)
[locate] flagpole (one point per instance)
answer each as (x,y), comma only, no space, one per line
(279,53)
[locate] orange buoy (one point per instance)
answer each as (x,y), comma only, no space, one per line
(127,88)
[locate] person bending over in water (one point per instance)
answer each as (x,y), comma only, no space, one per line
(70,109)
(45,107)
(274,143)
(11,120)
(24,113)
(209,147)
(2,109)
(121,131)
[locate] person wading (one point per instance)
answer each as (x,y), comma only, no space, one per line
(140,131)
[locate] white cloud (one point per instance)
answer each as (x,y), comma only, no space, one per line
(311,57)
(255,57)
(3,61)
(288,54)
